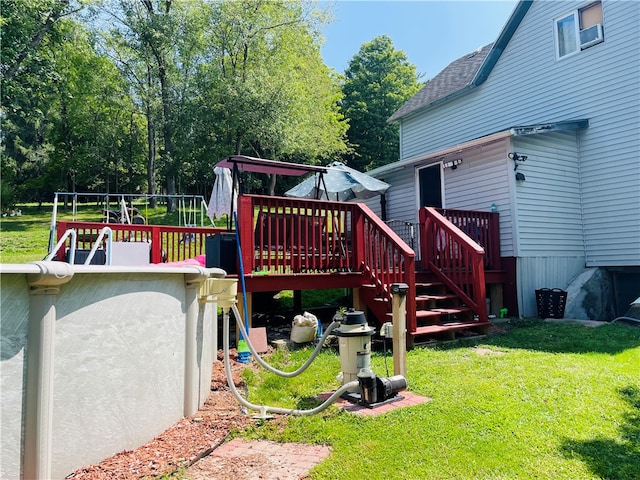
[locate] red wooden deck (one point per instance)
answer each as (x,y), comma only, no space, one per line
(299,244)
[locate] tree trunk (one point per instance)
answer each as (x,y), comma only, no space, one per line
(151,158)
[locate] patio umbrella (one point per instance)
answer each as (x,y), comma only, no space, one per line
(223,196)
(340,183)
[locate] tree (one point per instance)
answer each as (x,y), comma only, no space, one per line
(25,24)
(378,80)
(30,33)
(68,122)
(185,83)
(98,131)
(273,94)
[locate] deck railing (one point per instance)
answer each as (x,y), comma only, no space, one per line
(481,227)
(454,258)
(287,236)
(168,243)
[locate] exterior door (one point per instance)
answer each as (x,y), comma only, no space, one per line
(430,186)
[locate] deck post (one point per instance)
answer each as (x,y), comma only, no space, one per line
(399,328)
(249,313)
(357,302)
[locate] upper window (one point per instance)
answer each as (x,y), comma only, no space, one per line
(579,29)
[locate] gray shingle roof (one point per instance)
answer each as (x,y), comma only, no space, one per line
(456,76)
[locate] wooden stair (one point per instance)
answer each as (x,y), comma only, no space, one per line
(440,314)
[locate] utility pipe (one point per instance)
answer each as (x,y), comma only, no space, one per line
(282,373)
(264,409)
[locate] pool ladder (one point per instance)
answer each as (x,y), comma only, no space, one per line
(106,231)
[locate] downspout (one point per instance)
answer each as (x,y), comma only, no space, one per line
(38,433)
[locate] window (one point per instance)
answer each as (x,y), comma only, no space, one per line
(579,29)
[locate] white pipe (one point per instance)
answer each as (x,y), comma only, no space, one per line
(263,409)
(631,319)
(314,354)
(54,219)
(124,212)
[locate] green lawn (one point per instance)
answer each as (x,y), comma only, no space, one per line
(540,401)
(25,238)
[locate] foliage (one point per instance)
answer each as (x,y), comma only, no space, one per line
(378,81)
(30,33)
(123,94)
(67,121)
(273,95)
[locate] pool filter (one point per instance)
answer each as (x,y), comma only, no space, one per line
(354,343)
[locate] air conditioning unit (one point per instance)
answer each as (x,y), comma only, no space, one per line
(591,36)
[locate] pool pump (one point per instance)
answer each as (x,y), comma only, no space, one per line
(354,345)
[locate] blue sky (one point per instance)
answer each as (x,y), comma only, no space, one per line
(431,33)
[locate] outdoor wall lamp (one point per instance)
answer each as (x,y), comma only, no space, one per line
(517,158)
(452,164)
(520,177)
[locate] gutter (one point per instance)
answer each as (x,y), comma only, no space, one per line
(458,148)
(441,153)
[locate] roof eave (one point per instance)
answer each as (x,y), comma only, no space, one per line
(501,43)
(549,127)
(516,131)
(487,65)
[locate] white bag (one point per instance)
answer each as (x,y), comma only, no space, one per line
(304,328)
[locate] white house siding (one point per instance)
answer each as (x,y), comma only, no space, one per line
(480,181)
(550,238)
(543,272)
(548,208)
(528,86)
(401,198)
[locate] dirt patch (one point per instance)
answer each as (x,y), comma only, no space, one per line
(242,460)
(488,351)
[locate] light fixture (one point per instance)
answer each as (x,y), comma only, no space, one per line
(452,164)
(516,157)
(520,177)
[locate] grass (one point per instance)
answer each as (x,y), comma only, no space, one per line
(541,400)
(313,298)
(25,238)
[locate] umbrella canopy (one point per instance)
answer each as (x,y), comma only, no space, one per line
(222,195)
(339,183)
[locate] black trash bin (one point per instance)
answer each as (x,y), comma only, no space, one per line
(551,302)
(221,252)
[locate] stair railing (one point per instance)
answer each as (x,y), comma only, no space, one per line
(385,258)
(454,258)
